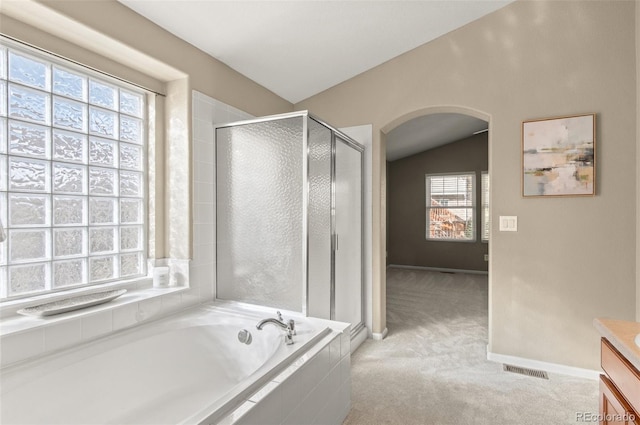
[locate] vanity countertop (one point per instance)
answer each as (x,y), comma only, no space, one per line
(621,334)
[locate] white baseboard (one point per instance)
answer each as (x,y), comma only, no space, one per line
(548,367)
(380,336)
(436,269)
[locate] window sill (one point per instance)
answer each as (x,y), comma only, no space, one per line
(138,290)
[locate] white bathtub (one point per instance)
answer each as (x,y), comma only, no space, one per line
(187,368)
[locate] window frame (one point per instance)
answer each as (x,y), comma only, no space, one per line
(55,63)
(472,207)
(485,217)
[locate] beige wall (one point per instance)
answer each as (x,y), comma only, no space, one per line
(406,240)
(572,259)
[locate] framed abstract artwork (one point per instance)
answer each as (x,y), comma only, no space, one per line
(559,156)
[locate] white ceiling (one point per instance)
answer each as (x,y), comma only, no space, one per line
(300,48)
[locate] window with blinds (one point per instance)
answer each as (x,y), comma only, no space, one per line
(486,217)
(450,207)
(72,169)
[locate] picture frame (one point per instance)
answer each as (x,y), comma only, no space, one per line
(559,156)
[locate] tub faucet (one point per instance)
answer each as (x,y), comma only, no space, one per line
(289,327)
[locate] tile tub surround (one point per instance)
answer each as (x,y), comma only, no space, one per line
(621,334)
(314,378)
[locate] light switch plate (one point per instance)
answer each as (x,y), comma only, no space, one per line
(508,223)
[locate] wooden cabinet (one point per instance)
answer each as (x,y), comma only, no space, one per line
(619,388)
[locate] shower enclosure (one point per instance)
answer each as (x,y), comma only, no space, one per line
(289,217)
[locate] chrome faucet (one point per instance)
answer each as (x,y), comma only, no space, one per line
(289,327)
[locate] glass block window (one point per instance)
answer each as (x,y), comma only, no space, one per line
(72,170)
(450,207)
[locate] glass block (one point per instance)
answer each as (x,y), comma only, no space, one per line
(3,218)
(4,290)
(102,152)
(131,103)
(130,183)
(103,211)
(69,242)
(69,146)
(3,98)
(102,240)
(101,268)
(70,84)
(28,278)
(103,123)
(102,94)
(29,105)
(28,175)
(70,272)
(28,210)
(28,245)
(130,129)
(3,135)
(102,181)
(130,157)
(69,178)
(69,114)
(130,264)
(130,211)
(131,238)
(69,211)
(30,140)
(3,63)
(28,71)
(4,175)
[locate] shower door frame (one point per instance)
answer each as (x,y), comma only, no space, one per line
(305,115)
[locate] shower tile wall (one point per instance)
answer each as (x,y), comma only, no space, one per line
(206,112)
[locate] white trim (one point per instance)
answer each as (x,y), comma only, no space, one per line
(548,367)
(380,336)
(437,269)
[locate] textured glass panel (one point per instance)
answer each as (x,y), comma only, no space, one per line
(28,175)
(28,104)
(28,245)
(28,71)
(69,242)
(71,272)
(130,157)
(29,278)
(130,129)
(102,239)
(103,123)
(28,210)
(69,114)
(30,140)
(3,98)
(259,212)
(3,135)
(102,152)
(3,63)
(131,103)
(319,224)
(131,238)
(3,282)
(130,211)
(103,211)
(103,94)
(4,175)
(69,210)
(130,183)
(101,268)
(102,181)
(69,146)
(69,84)
(130,264)
(69,178)
(3,216)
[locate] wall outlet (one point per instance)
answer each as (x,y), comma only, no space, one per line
(486,257)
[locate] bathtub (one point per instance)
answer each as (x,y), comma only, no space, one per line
(188,368)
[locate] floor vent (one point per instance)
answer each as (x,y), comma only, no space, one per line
(524,371)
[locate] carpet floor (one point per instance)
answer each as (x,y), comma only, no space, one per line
(432,367)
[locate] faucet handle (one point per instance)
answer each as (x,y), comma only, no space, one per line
(279,316)
(291,325)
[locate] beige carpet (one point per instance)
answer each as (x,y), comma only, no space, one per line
(432,367)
